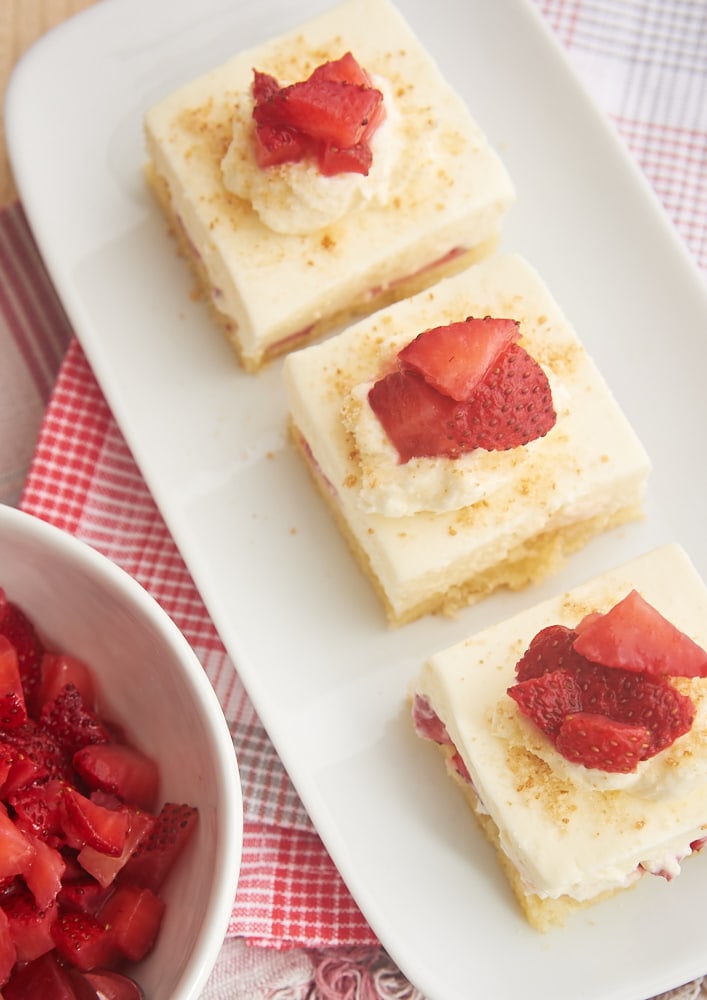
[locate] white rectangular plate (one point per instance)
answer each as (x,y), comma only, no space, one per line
(326,675)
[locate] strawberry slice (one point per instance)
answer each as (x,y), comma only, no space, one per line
(597,741)
(512,405)
(419,421)
(651,702)
(16,626)
(13,712)
(156,854)
(456,357)
(551,649)
(120,769)
(633,635)
(105,868)
(547,699)
(88,823)
(82,940)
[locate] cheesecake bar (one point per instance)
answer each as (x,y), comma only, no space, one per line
(434,533)
(575,820)
(283,252)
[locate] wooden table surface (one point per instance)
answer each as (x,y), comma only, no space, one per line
(21,23)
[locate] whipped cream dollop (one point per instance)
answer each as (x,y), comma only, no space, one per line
(394,489)
(295,198)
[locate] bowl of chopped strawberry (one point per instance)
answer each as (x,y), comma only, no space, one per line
(120,801)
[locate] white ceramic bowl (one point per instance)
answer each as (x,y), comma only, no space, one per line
(153,683)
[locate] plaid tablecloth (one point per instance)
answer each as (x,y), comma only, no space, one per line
(295,930)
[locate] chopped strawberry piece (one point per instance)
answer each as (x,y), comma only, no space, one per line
(597,741)
(333,160)
(157,853)
(549,650)
(7,758)
(60,669)
(84,894)
(13,712)
(23,771)
(29,925)
(105,868)
(38,810)
(8,952)
(42,979)
(37,755)
(82,940)
(419,421)
(15,848)
(120,769)
(87,823)
(346,69)
(330,117)
(279,145)
(16,626)
(43,871)
(456,357)
(111,985)
(332,111)
(633,635)
(83,989)
(265,86)
(133,915)
(72,721)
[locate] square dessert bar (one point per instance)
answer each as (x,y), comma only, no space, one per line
(434,534)
(567,833)
(284,254)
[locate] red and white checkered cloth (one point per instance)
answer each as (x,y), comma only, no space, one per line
(645,62)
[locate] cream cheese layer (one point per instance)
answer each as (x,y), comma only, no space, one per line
(589,465)
(450,188)
(566,830)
